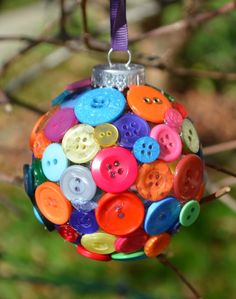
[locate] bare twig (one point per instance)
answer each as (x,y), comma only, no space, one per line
(215,195)
(166,262)
(218,148)
(221,169)
(62,21)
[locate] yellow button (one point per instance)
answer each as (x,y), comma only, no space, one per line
(99,242)
(79,144)
(106,134)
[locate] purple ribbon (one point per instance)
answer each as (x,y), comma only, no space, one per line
(119,28)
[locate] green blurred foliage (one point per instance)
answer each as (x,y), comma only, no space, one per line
(12,4)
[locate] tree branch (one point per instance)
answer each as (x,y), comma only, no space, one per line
(218,148)
(221,169)
(215,195)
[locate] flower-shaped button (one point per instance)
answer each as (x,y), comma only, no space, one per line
(83,221)
(148,102)
(79,144)
(77,184)
(169,141)
(190,137)
(162,215)
(189,213)
(54,162)
(52,203)
(99,105)
(157,244)
(92,255)
(99,242)
(188,177)
(59,124)
(146,149)
(114,169)
(173,119)
(155,180)
(131,127)
(120,214)
(106,134)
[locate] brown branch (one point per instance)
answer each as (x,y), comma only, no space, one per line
(62,21)
(184,25)
(15,180)
(218,148)
(221,169)
(215,195)
(166,262)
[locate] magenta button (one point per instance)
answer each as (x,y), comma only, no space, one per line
(169,141)
(59,123)
(114,169)
(79,84)
(173,119)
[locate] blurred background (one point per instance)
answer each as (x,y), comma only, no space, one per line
(197,65)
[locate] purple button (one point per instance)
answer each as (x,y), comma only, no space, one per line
(83,221)
(131,127)
(79,84)
(59,123)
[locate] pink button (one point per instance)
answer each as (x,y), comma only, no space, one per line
(188,177)
(79,84)
(114,169)
(173,119)
(132,242)
(59,123)
(169,141)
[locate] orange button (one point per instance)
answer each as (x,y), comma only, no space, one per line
(157,244)
(39,145)
(38,127)
(148,102)
(52,203)
(155,180)
(120,214)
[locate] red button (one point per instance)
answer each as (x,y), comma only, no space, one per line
(131,242)
(188,177)
(92,255)
(120,214)
(68,233)
(114,169)
(179,107)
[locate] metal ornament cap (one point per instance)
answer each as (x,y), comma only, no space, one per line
(117,75)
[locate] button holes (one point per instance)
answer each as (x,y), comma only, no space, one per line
(142,152)
(188,217)
(77,180)
(167,136)
(143,145)
(170,144)
(124,127)
(112,174)
(109,166)
(192,210)
(84,139)
(133,124)
(147,100)
(135,132)
(157,176)
(190,138)
(55,161)
(77,146)
(121,215)
(162,140)
(166,147)
(149,153)
(48,163)
(83,147)
(190,132)
(150,176)
(150,146)
(157,101)
(120,171)
(102,134)
(116,163)
(150,184)
(77,189)
(127,134)
(157,184)
(109,133)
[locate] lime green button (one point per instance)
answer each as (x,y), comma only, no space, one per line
(106,134)
(189,136)
(99,242)
(79,144)
(138,255)
(189,213)
(38,174)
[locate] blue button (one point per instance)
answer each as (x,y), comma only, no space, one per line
(100,105)
(72,100)
(61,97)
(54,162)
(162,215)
(39,216)
(146,149)
(175,228)
(28,181)
(131,127)
(84,221)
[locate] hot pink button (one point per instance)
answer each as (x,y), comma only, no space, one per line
(169,141)
(114,169)
(79,84)
(59,123)
(173,119)
(131,242)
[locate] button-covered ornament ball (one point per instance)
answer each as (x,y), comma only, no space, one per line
(117,166)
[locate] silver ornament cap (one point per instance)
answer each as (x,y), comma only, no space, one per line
(118,75)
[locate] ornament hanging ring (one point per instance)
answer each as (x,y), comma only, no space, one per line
(109,57)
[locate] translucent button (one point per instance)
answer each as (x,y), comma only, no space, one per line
(79,144)
(173,119)
(106,134)
(99,242)
(83,221)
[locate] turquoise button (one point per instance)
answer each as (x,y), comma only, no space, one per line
(134,256)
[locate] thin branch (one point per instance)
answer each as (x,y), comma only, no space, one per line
(218,148)
(62,21)
(184,25)
(221,169)
(215,195)
(166,262)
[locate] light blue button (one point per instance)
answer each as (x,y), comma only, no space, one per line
(162,215)
(99,105)
(54,162)
(37,216)
(72,100)
(146,149)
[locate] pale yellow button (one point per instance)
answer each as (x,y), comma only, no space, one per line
(106,134)
(99,242)
(189,137)
(79,144)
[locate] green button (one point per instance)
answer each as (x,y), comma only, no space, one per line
(119,256)
(189,137)
(189,213)
(169,97)
(38,174)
